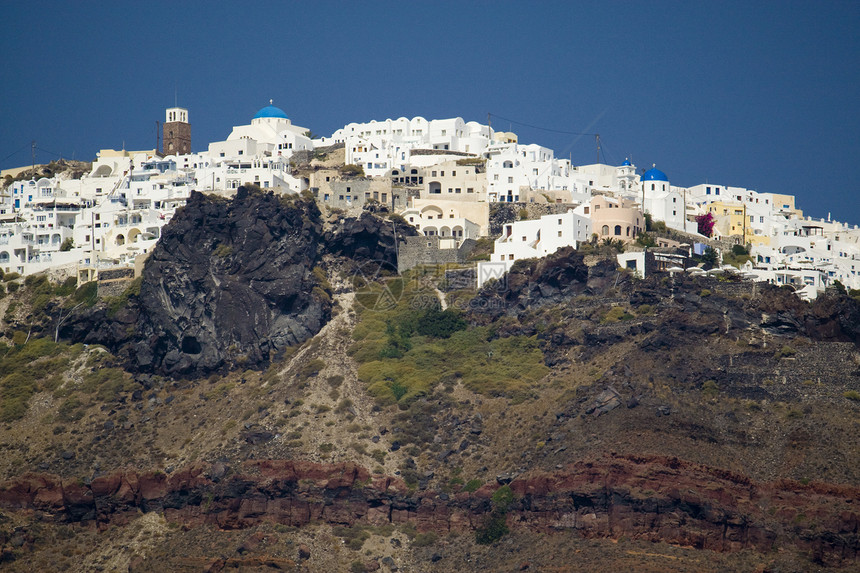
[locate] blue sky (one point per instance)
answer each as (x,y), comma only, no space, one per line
(761,95)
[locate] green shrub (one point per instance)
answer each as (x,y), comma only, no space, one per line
(311,368)
(67,287)
(70,410)
(472,485)
(502,498)
(785,352)
(353,537)
(704,293)
(440,323)
(87,293)
(852,395)
(615,314)
(710,388)
(646,240)
(425,539)
(493,528)
(645,310)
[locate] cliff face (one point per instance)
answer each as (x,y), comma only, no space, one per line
(231,282)
(234,283)
(651,498)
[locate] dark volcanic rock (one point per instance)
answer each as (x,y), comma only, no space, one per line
(367,238)
(234,282)
(230,281)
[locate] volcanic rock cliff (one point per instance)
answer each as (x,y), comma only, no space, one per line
(234,283)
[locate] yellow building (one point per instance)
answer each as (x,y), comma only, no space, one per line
(733,219)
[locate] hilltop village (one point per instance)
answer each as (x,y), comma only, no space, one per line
(456,182)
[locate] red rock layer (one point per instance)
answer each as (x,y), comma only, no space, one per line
(655,498)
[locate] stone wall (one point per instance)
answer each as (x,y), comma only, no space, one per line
(423,250)
(503,213)
(113,282)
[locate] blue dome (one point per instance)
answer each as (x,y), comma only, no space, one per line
(626,163)
(654,174)
(271,111)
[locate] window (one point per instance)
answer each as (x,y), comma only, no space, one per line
(559,233)
(510,179)
(586,211)
(524,238)
(510,257)
(618,229)
(470,190)
(605,230)
(559,221)
(453,174)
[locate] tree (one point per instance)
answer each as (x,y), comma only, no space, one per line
(352,170)
(710,256)
(646,240)
(706,224)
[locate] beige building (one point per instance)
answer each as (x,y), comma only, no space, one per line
(455,181)
(433,209)
(613,218)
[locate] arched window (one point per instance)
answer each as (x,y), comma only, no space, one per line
(605,229)
(618,230)
(628,230)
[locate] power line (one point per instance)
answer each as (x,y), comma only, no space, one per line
(540,128)
(50,152)
(23,147)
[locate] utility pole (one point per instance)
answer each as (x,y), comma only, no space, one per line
(33,152)
(597,138)
(157,134)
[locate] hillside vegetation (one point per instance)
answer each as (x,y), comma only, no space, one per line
(570,413)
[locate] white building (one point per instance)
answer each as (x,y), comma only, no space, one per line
(518,172)
(379,146)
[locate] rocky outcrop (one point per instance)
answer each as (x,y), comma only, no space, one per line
(234,283)
(231,281)
(366,239)
(658,499)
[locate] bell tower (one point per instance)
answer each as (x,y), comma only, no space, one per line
(177,132)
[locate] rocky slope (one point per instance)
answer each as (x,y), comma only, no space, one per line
(686,424)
